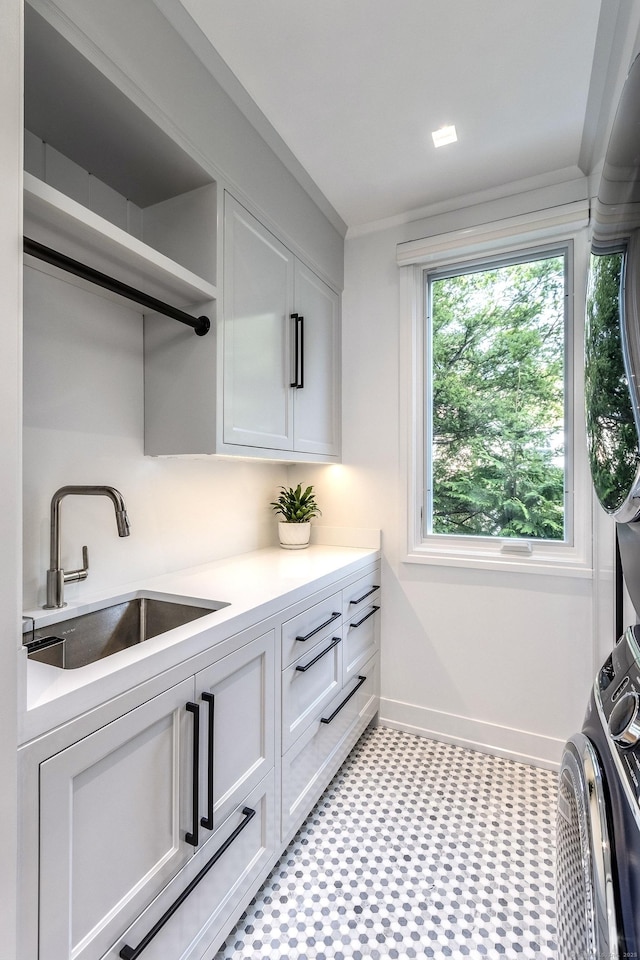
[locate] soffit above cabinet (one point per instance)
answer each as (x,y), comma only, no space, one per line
(75,108)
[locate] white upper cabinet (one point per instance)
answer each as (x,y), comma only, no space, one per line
(317,398)
(258,303)
(281,346)
(271,387)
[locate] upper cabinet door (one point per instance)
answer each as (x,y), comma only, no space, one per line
(258,303)
(317,399)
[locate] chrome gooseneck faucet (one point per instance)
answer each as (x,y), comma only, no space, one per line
(56,576)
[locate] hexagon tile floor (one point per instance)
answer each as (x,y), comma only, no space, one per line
(416,849)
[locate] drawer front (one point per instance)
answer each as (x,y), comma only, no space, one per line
(361,594)
(360,640)
(309,764)
(227,868)
(309,627)
(308,685)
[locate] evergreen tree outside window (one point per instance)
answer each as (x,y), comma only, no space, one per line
(496,420)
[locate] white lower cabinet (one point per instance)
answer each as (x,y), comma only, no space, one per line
(145,799)
(161,812)
(114,814)
(191,916)
(311,762)
(329,693)
(237,696)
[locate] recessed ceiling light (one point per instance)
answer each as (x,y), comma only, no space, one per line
(444,135)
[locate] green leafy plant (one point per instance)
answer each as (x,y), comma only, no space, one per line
(296,506)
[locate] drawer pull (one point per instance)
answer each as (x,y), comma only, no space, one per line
(334,616)
(192,837)
(334,643)
(130,953)
(364,596)
(207,821)
(337,710)
(359,623)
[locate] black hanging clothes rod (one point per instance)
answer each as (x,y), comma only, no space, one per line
(201,325)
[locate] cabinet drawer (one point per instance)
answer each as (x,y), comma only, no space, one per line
(309,627)
(360,639)
(308,765)
(361,594)
(213,885)
(308,685)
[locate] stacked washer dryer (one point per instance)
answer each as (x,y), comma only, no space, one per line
(598,813)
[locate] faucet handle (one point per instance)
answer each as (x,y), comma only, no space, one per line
(71,576)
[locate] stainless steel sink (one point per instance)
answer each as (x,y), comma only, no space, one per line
(88,637)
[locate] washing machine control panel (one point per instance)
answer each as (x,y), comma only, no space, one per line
(618,695)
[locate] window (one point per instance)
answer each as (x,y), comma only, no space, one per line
(492,358)
(496,412)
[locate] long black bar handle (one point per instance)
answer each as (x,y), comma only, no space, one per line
(308,636)
(364,596)
(201,325)
(337,710)
(296,350)
(207,821)
(192,837)
(132,953)
(300,383)
(334,643)
(358,623)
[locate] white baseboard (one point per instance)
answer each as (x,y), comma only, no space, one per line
(513,744)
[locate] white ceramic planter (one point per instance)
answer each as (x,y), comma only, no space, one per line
(294,536)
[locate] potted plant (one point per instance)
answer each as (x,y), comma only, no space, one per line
(297,508)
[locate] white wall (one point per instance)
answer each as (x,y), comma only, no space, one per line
(503,661)
(83,424)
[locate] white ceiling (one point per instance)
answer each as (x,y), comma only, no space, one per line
(355,87)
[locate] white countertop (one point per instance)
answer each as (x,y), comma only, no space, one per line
(255,585)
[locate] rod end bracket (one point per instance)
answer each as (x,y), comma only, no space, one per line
(203,326)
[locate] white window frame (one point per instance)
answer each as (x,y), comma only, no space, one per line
(561,225)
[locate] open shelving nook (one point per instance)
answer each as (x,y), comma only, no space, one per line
(105,185)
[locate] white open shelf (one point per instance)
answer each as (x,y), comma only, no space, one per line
(57,221)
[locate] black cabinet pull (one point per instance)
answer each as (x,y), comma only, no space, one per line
(192,837)
(334,643)
(300,383)
(359,623)
(298,351)
(334,616)
(337,710)
(365,595)
(207,821)
(131,953)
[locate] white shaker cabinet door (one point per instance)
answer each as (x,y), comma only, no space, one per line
(317,398)
(238,730)
(115,809)
(258,303)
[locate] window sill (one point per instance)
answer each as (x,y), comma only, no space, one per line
(570,566)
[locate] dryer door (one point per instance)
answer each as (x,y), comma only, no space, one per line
(586,909)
